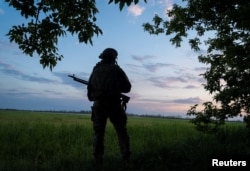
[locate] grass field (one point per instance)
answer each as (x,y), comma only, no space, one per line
(53,141)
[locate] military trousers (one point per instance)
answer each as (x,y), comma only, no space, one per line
(101,112)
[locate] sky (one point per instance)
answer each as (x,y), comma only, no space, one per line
(165,80)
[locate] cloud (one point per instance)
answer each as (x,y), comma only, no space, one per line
(173,107)
(191,100)
(135,10)
(190,87)
(10,70)
(53,92)
(188,76)
(143,58)
(168,4)
(16,93)
(30,102)
(164,3)
(203,69)
(133,66)
(167,82)
(157,66)
(159,82)
(20,94)
(182,80)
(176,79)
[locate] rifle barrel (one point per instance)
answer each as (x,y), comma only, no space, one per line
(124,97)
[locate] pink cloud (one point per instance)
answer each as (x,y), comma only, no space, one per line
(135,10)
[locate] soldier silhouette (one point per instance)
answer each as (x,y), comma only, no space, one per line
(106,83)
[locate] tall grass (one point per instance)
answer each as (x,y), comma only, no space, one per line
(47,141)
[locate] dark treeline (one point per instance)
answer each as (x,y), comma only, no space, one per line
(51,111)
(89,112)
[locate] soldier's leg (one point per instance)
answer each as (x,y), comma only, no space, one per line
(99,123)
(119,121)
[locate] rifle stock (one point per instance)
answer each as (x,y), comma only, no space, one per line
(125,98)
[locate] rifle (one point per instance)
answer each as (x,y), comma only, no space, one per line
(124,98)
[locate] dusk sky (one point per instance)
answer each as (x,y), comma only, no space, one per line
(165,80)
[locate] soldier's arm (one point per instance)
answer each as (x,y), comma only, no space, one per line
(125,85)
(90,89)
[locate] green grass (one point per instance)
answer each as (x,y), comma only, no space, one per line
(49,141)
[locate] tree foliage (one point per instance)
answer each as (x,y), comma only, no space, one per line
(227,54)
(47,20)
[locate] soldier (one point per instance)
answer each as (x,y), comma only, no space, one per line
(107,82)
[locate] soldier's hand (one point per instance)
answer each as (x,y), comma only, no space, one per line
(124,105)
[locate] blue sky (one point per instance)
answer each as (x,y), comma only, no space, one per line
(165,80)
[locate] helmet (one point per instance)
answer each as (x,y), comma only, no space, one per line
(109,54)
